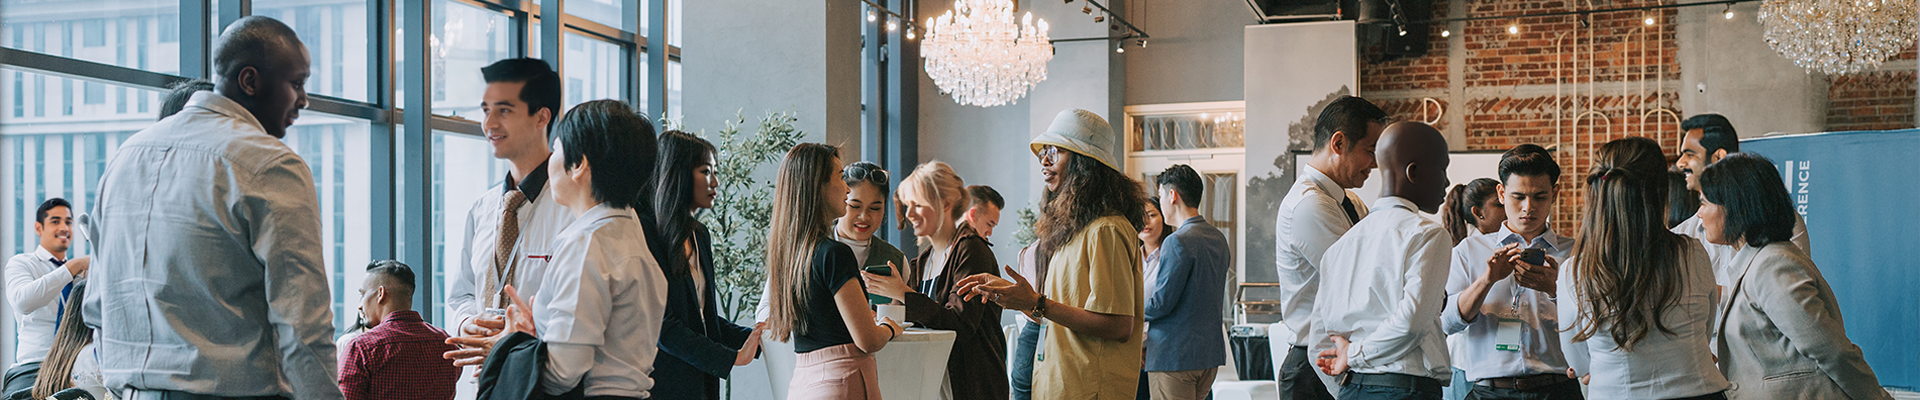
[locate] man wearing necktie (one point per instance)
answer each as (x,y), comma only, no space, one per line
(1319,209)
(37,287)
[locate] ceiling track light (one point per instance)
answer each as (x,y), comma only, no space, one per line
(1649,21)
(1446,32)
(1729,12)
(1122,48)
(891,25)
(1099,18)
(1142,43)
(1514,29)
(1086,10)
(871,17)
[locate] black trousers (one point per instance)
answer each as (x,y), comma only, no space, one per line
(1568,390)
(1297,380)
(20,378)
(172,395)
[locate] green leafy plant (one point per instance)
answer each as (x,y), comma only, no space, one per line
(743,209)
(1026,218)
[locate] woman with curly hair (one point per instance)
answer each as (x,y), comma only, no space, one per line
(1092,298)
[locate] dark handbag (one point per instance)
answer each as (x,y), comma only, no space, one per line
(512,371)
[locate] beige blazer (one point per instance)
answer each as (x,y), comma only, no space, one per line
(1781,335)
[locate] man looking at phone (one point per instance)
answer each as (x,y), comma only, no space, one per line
(1500,290)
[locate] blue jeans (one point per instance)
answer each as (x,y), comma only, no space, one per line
(1459,388)
(1022,378)
(1370,392)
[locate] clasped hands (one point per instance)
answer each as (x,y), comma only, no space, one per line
(477,339)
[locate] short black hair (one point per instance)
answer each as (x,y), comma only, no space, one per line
(1716,133)
(1529,160)
(40,215)
(1758,208)
(617,142)
(542,89)
(1183,180)
(985,194)
(1681,202)
(868,173)
(254,41)
(397,270)
(179,93)
(1347,114)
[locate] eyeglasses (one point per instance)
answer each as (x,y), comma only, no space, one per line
(858,173)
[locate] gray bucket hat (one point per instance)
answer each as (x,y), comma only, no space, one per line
(1079,131)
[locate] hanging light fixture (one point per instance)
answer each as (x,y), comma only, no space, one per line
(980,56)
(1839,36)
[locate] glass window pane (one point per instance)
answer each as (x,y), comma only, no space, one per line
(465,38)
(673,90)
(335,32)
(339,150)
(673,22)
(592,70)
(453,195)
(124,33)
(606,12)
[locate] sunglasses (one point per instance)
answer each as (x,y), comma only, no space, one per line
(857,173)
(1049,153)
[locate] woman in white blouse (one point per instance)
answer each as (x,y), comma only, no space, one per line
(1640,298)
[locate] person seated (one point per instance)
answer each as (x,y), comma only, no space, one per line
(399,357)
(72,369)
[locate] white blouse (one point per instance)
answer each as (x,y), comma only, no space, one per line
(1662,365)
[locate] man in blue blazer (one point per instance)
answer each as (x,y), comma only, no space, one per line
(1186,341)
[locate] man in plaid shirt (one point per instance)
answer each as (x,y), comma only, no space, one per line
(400,356)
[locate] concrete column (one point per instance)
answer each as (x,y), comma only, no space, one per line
(751,57)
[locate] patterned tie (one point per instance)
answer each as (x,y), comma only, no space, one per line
(503,251)
(1353,217)
(61,312)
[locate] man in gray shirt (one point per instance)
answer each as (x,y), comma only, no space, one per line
(210,281)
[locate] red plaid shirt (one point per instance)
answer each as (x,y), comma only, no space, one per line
(400,359)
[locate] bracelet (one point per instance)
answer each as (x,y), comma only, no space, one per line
(895,334)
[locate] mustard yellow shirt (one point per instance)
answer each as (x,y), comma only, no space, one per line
(1099,270)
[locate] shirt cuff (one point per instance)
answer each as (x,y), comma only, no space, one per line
(1357,357)
(1450,316)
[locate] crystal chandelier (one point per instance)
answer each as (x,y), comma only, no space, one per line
(978,55)
(1839,36)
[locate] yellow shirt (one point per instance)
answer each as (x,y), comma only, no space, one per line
(1099,270)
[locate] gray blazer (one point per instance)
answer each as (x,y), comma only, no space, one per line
(1781,335)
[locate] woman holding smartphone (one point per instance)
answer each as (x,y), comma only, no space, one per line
(866,205)
(699,347)
(817,299)
(932,200)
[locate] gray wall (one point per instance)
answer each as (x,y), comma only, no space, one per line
(1742,77)
(1195,53)
(736,60)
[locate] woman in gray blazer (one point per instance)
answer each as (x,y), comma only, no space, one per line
(1780,330)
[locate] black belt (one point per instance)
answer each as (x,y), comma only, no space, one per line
(1529,382)
(1402,381)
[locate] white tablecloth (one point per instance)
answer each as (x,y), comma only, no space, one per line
(912,366)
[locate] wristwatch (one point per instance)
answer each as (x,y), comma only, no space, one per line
(1040,308)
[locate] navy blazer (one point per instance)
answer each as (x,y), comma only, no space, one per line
(1184,327)
(697,346)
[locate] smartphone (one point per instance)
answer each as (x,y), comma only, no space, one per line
(881,270)
(1534,256)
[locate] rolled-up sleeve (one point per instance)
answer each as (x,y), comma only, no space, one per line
(283,216)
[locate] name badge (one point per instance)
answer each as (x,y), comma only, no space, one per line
(1506,337)
(1040,344)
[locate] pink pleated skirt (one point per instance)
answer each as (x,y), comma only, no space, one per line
(835,373)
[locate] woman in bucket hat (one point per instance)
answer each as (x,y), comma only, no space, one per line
(1090,293)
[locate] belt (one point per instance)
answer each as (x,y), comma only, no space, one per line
(1403,381)
(1529,382)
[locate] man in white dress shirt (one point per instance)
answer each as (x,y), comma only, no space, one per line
(510,227)
(37,287)
(1709,138)
(1317,210)
(1501,303)
(1384,280)
(207,229)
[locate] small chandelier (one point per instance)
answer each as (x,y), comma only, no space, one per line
(1839,36)
(981,58)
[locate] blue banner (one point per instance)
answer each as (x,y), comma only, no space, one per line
(1857,191)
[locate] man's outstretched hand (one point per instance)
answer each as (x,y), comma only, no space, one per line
(1333,361)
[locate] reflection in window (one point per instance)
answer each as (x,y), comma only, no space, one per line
(606,12)
(465,38)
(475,170)
(116,32)
(338,149)
(55,157)
(335,33)
(595,66)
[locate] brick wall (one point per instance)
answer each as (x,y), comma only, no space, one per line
(1872,101)
(1510,82)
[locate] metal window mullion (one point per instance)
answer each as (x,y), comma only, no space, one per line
(196,38)
(551,24)
(656,73)
(415,144)
(384,189)
(233,10)
(901,107)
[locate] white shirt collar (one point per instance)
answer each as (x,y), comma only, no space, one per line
(1548,239)
(1326,183)
(222,105)
(1384,203)
(41,252)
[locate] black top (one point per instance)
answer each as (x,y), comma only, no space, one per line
(832,266)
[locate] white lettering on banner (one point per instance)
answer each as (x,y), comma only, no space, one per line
(1797,183)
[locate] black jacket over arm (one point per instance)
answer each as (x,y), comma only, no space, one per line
(978,365)
(697,346)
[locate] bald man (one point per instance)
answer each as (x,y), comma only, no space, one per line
(211,282)
(1384,281)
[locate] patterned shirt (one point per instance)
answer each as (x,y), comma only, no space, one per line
(399,359)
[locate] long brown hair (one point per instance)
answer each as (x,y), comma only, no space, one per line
(56,374)
(1089,190)
(799,223)
(1627,266)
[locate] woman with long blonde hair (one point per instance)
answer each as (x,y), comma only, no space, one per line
(818,300)
(933,200)
(1639,297)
